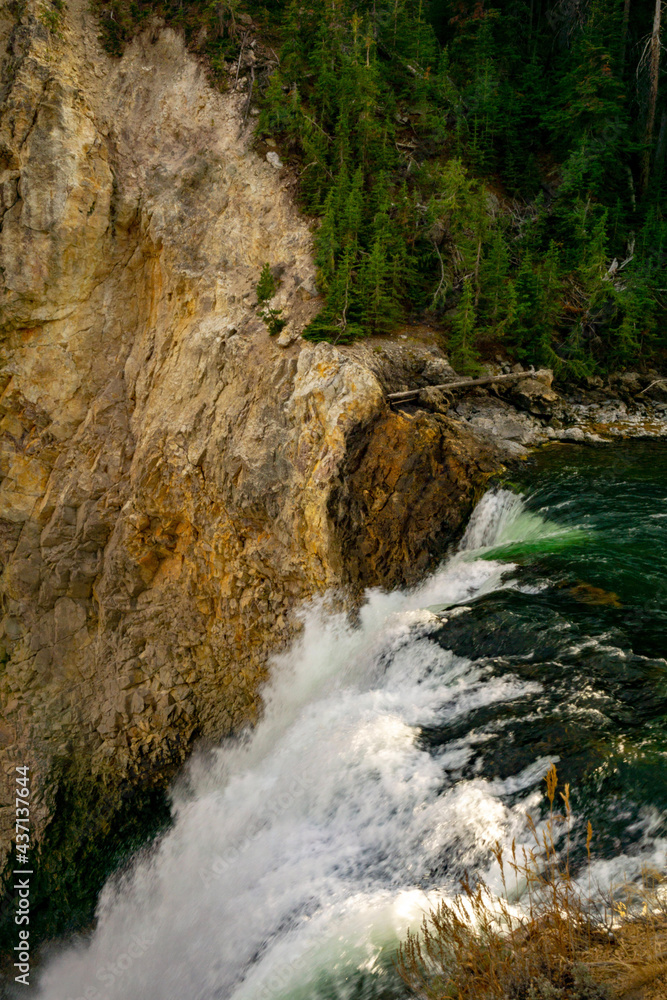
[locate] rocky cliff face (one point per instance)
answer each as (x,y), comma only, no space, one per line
(174,481)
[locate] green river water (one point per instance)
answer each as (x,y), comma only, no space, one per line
(586,616)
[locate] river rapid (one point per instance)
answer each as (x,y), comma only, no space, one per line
(395,751)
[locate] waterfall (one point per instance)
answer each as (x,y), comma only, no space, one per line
(301,853)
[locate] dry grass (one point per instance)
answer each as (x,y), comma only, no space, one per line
(562,944)
(633,962)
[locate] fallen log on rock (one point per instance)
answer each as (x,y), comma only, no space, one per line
(403,397)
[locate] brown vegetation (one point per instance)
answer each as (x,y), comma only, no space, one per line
(562,944)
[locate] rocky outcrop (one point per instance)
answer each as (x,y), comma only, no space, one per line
(514,419)
(174,481)
(411,482)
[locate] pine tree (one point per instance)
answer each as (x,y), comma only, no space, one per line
(655,48)
(494,273)
(393,128)
(380,309)
(353,210)
(327,242)
(266,286)
(550,307)
(464,356)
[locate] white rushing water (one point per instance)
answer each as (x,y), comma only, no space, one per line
(318,840)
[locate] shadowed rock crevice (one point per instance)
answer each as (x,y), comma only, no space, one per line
(408,484)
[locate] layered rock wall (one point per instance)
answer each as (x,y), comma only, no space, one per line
(174,481)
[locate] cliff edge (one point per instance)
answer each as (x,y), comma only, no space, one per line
(175,482)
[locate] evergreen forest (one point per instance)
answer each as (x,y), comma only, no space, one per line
(497,167)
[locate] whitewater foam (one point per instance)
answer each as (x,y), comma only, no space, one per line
(308,848)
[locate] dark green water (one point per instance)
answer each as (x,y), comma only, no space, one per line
(586,617)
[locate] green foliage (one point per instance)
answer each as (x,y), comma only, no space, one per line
(493,146)
(273,319)
(266,288)
(462,339)
(397,125)
(372,249)
(211,27)
(494,275)
(537,308)
(52,16)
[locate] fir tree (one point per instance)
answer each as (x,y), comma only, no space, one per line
(266,286)
(380,309)
(463,354)
(399,114)
(327,242)
(494,273)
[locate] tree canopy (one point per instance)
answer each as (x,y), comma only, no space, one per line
(497,165)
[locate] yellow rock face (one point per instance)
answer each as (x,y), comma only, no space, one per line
(173,478)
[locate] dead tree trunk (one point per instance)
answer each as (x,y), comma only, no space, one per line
(464,383)
(653,72)
(624,35)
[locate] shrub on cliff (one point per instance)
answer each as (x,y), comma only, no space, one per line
(265,289)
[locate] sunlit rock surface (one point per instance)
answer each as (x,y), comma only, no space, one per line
(175,482)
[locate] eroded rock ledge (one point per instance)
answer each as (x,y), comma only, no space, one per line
(174,482)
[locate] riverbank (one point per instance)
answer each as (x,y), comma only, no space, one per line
(523,414)
(560,947)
